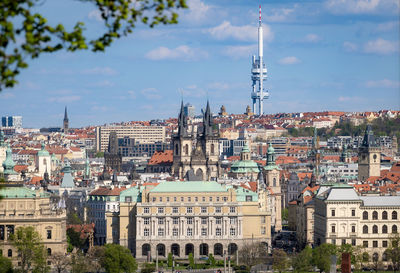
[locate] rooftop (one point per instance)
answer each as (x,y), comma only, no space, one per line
(189,186)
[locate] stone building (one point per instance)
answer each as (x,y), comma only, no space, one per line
(21,206)
(245,167)
(112,157)
(191,217)
(196,157)
(343,217)
(369,156)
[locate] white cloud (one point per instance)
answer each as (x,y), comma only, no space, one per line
(350,47)
(106,71)
(105,83)
(197,11)
(151,93)
(218,86)
(182,52)
(280,15)
(362,6)
(132,94)
(237,52)
(243,33)
(95,14)
(312,38)
(64,99)
(289,60)
(385,83)
(380,46)
(387,26)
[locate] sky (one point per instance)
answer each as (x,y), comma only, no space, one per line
(338,55)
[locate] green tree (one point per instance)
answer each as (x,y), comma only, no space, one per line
(31,252)
(73,219)
(211,259)
(148,268)
(393,252)
(99,154)
(279,260)
(118,259)
(302,262)
(74,239)
(21,21)
(285,214)
(321,256)
(5,265)
(95,255)
(169,263)
(191,260)
(79,264)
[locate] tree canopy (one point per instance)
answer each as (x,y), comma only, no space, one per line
(26,33)
(118,259)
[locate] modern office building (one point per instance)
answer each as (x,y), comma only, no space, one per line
(12,122)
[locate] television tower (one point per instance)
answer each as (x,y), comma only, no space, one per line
(259,74)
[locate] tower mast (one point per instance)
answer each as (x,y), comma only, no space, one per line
(259,73)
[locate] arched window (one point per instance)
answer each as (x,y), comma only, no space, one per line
(365,215)
(384,229)
(186,149)
(375,257)
(394,215)
(384,257)
(212,149)
(145,249)
(49,251)
(44,161)
(384,215)
(375,229)
(394,229)
(365,229)
(375,215)
(177,149)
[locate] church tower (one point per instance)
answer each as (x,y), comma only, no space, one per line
(369,156)
(272,172)
(112,157)
(65,122)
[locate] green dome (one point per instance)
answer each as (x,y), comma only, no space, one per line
(244,166)
(246,148)
(43,151)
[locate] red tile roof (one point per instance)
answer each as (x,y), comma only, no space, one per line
(161,158)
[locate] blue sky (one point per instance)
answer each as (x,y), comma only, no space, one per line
(320,55)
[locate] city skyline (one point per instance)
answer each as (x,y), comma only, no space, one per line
(320,55)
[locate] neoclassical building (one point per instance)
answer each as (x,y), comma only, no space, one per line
(344,217)
(21,206)
(245,167)
(190,217)
(196,157)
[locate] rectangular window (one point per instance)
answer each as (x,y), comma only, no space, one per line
(343,241)
(160,232)
(160,199)
(262,219)
(174,198)
(175,232)
(204,199)
(333,229)
(160,210)
(182,199)
(232,209)
(128,199)
(161,221)
(189,220)
(232,231)
(365,243)
(374,243)
(232,220)
(384,243)
(203,209)
(353,242)
(189,210)
(146,232)
(210,198)
(154,199)
(217,198)
(167,199)
(175,220)
(189,199)
(218,232)
(353,229)
(333,213)
(262,230)
(217,209)
(353,212)
(333,241)
(225,199)
(146,221)
(146,210)
(249,198)
(218,220)
(48,234)
(204,221)
(196,199)
(203,232)
(189,232)
(175,210)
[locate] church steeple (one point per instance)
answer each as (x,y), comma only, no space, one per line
(65,121)
(182,122)
(207,121)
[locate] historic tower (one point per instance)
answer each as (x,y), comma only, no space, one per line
(369,156)
(112,157)
(196,157)
(65,122)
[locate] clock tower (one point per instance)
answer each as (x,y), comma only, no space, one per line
(369,156)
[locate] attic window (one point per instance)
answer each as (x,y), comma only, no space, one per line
(249,198)
(128,199)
